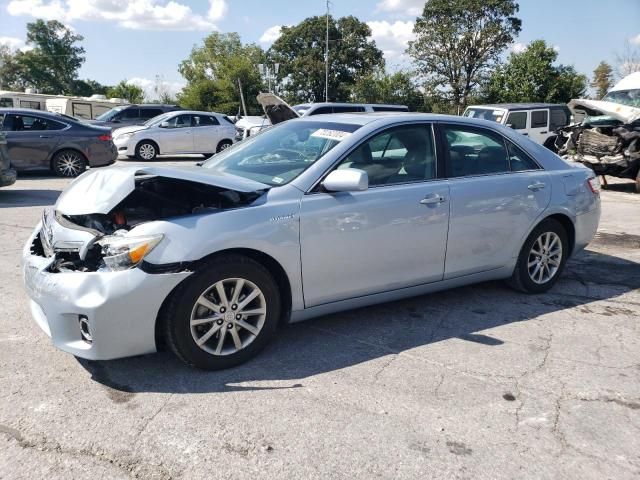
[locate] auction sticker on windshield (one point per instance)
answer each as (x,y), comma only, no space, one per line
(337,135)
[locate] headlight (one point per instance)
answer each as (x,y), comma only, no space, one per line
(122,253)
(123,136)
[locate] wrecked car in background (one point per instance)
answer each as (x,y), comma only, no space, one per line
(606,137)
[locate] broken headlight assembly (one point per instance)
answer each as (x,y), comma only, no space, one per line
(122,253)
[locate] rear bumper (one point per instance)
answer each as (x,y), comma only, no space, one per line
(8,177)
(120,308)
(102,155)
(586,226)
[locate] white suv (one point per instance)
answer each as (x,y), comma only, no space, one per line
(538,121)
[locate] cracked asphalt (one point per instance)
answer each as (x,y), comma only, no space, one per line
(473,383)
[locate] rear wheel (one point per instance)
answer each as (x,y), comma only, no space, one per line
(69,163)
(223,145)
(224,314)
(541,259)
(146,150)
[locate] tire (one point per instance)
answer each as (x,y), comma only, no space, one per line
(526,275)
(68,163)
(146,150)
(252,331)
(223,145)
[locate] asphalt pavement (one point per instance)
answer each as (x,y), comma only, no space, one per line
(479,382)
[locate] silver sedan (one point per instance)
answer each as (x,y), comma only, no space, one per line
(310,217)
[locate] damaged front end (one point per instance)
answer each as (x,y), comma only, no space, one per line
(607,139)
(97,233)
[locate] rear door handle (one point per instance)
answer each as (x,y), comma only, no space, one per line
(432,200)
(537,186)
(45,136)
(526,134)
(544,132)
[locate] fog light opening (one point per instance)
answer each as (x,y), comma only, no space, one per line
(85,332)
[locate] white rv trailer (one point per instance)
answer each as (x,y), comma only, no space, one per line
(87,108)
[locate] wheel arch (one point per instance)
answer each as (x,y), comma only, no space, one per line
(224,140)
(267,261)
(568,226)
(149,140)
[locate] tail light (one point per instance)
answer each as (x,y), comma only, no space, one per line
(594,185)
(105,138)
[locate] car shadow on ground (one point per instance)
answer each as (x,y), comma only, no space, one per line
(346,339)
(626,187)
(27,197)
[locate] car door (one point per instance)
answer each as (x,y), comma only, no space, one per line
(519,121)
(390,236)
(539,125)
(30,140)
(497,193)
(206,133)
(177,135)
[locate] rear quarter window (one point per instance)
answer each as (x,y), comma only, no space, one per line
(559,119)
(539,118)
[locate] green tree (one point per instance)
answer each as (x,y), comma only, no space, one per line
(602,79)
(52,65)
(132,93)
(212,72)
(530,76)
(86,88)
(300,50)
(382,87)
(459,41)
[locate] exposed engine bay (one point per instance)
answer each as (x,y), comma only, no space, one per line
(607,139)
(153,198)
(157,198)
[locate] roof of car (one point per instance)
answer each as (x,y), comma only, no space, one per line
(152,105)
(348,104)
(517,106)
(368,117)
(30,111)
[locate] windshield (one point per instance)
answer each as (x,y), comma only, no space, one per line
(109,114)
(159,119)
(484,114)
(278,155)
(624,97)
(300,109)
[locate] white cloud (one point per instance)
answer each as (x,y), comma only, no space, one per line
(408,7)
(133,14)
(12,42)
(392,38)
(271,34)
(148,85)
(518,47)
(635,39)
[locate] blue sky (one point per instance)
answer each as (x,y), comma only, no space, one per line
(139,39)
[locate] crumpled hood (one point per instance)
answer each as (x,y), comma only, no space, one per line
(130,129)
(624,113)
(276,109)
(100,190)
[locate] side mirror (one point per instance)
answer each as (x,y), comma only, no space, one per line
(346,180)
(164,125)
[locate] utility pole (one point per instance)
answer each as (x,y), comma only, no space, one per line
(326,60)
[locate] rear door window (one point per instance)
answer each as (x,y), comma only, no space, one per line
(130,113)
(539,118)
(149,113)
(519,160)
(203,121)
(474,151)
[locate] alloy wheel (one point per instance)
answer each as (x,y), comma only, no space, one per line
(228,316)
(544,258)
(147,151)
(69,164)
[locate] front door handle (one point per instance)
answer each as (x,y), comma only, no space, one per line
(544,132)
(537,186)
(45,136)
(432,200)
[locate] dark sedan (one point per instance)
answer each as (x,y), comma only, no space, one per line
(43,140)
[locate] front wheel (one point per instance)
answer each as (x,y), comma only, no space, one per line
(542,258)
(69,163)
(146,150)
(223,145)
(224,314)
